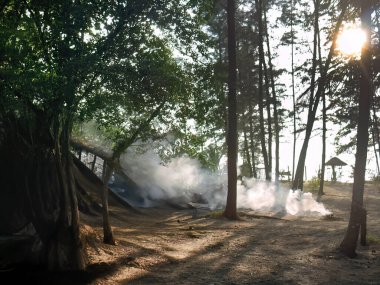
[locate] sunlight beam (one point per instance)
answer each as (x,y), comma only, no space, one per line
(350,41)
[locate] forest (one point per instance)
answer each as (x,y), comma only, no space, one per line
(167,142)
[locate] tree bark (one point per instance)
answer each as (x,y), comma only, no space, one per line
(48,188)
(251,139)
(119,149)
(293,89)
(247,152)
(374,148)
(269,118)
(274,102)
(108,237)
(298,177)
(230,210)
(375,135)
(358,214)
(322,174)
(261,90)
(324,122)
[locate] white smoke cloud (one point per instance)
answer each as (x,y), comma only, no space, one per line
(266,196)
(183,177)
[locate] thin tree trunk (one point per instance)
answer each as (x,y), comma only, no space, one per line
(293,89)
(269,119)
(376,136)
(322,176)
(247,152)
(230,210)
(263,32)
(80,260)
(274,102)
(298,177)
(108,237)
(298,180)
(374,150)
(252,141)
(324,122)
(261,91)
(358,214)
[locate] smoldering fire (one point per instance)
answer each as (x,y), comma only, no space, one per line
(184,177)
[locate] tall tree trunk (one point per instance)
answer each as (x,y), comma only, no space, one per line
(269,118)
(298,177)
(247,152)
(374,150)
(252,140)
(273,99)
(324,122)
(230,210)
(79,260)
(358,214)
(298,180)
(322,174)
(376,136)
(261,90)
(293,89)
(263,31)
(118,150)
(108,237)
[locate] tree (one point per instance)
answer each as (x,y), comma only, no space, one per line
(323,164)
(230,210)
(56,60)
(261,90)
(357,220)
(274,101)
(314,102)
(121,146)
(293,88)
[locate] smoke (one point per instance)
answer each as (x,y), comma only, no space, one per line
(265,196)
(181,178)
(184,180)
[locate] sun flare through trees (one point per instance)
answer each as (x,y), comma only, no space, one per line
(351,41)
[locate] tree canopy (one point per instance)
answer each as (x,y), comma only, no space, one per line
(157,69)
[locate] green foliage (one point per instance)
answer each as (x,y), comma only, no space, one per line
(373,239)
(111,62)
(312,185)
(216,214)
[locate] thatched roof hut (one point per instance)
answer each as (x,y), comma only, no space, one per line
(335,161)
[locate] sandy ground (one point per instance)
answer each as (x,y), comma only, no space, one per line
(170,246)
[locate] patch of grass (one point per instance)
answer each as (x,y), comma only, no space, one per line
(373,239)
(216,214)
(312,185)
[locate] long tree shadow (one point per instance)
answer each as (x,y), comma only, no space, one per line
(217,263)
(227,260)
(225,254)
(27,274)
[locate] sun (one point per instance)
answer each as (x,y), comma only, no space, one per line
(350,41)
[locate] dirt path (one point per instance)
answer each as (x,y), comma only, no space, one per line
(163,246)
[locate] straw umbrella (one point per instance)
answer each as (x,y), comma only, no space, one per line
(335,161)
